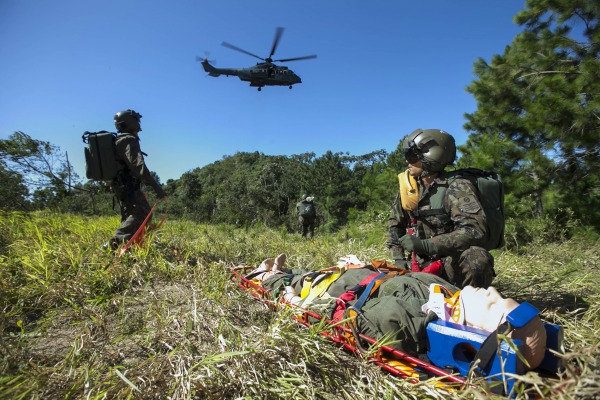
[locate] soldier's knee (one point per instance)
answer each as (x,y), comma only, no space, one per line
(477,267)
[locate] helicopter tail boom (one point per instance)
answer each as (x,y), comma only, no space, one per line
(212,71)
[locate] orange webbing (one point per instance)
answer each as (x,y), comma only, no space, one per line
(138,236)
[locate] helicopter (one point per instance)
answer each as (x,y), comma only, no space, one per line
(263,73)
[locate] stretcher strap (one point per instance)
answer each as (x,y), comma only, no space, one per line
(488,349)
(372,286)
(319,288)
(353,311)
(342,301)
(517,318)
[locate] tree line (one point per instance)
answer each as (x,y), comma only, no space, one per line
(537,124)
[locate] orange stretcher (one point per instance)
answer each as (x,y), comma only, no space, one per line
(390,359)
(447,342)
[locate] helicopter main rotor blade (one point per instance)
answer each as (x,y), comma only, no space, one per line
(297,58)
(229,45)
(278,34)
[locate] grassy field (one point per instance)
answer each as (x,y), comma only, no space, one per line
(165,321)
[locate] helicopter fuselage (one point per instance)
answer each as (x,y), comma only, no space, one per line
(262,74)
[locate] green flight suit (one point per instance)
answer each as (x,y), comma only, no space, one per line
(126,186)
(393,311)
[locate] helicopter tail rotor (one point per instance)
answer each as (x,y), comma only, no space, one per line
(206,65)
(206,54)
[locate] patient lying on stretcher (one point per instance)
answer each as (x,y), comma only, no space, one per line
(401,306)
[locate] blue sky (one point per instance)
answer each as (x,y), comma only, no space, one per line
(384,68)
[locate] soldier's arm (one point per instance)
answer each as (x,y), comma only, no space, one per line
(397,224)
(467,215)
(137,166)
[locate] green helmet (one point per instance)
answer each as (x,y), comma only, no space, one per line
(128,121)
(433,147)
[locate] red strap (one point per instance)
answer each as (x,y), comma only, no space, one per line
(368,279)
(164,216)
(341,303)
(138,236)
(414,264)
(434,268)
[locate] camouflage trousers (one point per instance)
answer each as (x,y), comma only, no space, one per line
(134,209)
(473,267)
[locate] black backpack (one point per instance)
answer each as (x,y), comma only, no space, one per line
(100,161)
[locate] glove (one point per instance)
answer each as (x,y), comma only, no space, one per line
(419,246)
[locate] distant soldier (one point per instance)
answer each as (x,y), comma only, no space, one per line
(126,186)
(445,227)
(307,215)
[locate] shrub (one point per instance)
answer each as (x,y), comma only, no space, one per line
(522,232)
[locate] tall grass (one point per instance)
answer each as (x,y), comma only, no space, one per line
(165,321)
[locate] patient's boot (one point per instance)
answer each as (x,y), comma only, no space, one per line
(279,262)
(265,266)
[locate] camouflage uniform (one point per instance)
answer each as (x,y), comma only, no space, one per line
(457,234)
(126,186)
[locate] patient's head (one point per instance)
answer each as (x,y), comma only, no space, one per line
(486,309)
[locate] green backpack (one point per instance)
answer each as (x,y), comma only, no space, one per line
(307,209)
(491,195)
(100,161)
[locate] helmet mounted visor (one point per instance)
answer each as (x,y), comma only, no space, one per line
(412,154)
(412,151)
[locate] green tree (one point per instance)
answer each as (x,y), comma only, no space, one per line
(250,188)
(43,168)
(377,182)
(543,96)
(13,191)
(334,186)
